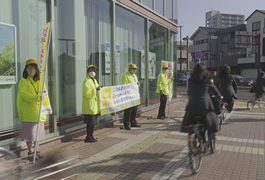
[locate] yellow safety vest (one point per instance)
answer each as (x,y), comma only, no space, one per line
(128,78)
(28,100)
(90,103)
(162,84)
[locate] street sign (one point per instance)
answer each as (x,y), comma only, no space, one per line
(198,54)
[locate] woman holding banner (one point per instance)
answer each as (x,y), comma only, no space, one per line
(90,103)
(28,106)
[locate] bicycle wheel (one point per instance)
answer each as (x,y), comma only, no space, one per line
(224,116)
(219,119)
(212,142)
(248,105)
(195,154)
(9,165)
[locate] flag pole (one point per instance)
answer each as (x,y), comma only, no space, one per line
(45,70)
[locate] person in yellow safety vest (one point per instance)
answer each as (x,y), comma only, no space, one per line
(90,102)
(162,88)
(28,107)
(130,113)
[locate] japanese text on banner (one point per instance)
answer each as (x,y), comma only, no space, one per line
(46,105)
(117,98)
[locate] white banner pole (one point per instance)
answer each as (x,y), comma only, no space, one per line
(45,70)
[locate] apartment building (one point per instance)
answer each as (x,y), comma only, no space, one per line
(216,19)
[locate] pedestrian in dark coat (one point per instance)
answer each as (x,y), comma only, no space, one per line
(200,103)
(258,88)
(227,86)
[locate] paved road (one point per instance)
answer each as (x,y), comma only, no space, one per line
(158,150)
(243,92)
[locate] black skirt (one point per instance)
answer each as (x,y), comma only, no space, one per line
(90,119)
(209,120)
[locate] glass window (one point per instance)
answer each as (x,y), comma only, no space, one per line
(28,18)
(159,7)
(131,41)
(158,48)
(168,9)
(174,57)
(83,32)
(175,11)
(256,26)
(148,3)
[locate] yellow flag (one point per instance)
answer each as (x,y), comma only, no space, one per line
(46,105)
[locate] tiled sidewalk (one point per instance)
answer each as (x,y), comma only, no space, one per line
(158,151)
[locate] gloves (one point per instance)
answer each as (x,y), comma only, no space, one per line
(98,88)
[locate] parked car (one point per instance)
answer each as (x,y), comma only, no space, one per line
(181,78)
(242,81)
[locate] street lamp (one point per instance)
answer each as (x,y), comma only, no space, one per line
(187,40)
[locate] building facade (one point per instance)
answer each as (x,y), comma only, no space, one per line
(181,53)
(228,48)
(205,40)
(216,19)
(248,65)
(110,34)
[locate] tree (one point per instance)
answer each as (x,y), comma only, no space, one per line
(7,59)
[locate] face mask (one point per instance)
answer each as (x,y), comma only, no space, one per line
(164,70)
(31,72)
(92,74)
(133,71)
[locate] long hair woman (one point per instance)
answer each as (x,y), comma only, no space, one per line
(200,104)
(227,86)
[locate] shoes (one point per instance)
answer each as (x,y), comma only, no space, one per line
(228,111)
(31,156)
(94,139)
(136,125)
(160,117)
(39,155)
(87,140)
(127,128)
(165,117)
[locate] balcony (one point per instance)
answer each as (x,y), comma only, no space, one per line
(207,63)
(201,47)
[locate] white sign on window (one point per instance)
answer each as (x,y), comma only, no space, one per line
(151,64)
(8,65)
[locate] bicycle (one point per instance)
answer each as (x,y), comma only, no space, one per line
(222,118)
(9,165)
(253,100)
(199,142)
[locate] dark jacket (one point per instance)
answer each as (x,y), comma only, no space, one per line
(200,103)
(199,96)
(227,87)
(258,88)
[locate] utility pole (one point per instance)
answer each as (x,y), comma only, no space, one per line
(187,41)
(253,43)
(180,52)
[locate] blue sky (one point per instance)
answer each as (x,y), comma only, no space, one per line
(191,13)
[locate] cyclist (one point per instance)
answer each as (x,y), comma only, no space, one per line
(200,104)
(227,86)
(258,87)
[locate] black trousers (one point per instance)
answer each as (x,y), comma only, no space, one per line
(162,107)
(230,105)
(130,116)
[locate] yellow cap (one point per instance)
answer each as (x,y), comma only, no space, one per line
(165,67)
(31,61)
(133,66)
(91,66)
